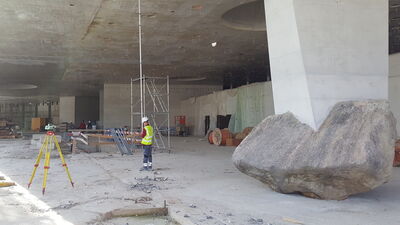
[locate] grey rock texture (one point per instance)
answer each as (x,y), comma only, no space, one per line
(352,152)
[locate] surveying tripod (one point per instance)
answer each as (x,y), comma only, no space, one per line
(46,148)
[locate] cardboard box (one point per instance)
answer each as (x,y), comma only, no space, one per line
(3,123)
(37,123)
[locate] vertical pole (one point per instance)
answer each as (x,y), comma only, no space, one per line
(169,128)
(131,106)
(141,64)
(144,95)
(36,110)
(23,116)
(49,112)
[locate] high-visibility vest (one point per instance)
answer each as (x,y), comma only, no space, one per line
(148,139)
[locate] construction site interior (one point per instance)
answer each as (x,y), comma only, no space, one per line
(242,112)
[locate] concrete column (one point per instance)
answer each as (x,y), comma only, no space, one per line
(101,107)
(67,109)
(394,87)
(326,51)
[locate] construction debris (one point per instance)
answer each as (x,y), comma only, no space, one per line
(256,221)
(292,221)
(7,130)
(147,184)
(135,212)
(7,184)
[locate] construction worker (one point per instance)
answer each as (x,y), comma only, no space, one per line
(147,141)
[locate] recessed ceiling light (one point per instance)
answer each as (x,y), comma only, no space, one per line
(17,86)
(214,44)
(188,79)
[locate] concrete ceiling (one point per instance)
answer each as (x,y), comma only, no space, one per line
(73,47)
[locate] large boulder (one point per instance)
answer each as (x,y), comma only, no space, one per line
(352,152)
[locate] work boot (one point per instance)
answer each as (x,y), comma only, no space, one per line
(143,168)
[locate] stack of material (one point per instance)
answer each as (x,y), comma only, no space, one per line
(238,138)
(222,137)
(6,131)
(219,136)
(63,127)
(396,161)
(242,135)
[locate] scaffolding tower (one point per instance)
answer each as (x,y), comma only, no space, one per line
(150,97)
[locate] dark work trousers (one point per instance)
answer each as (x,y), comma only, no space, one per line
(147,157)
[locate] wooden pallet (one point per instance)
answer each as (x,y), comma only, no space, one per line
(8,137)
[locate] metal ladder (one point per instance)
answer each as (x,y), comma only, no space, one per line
(121,141)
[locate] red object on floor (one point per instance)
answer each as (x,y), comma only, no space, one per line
(210,140)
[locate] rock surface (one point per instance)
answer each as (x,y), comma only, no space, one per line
(352,152)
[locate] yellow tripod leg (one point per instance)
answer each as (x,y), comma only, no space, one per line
(46,165)
(38,160)
(64,164)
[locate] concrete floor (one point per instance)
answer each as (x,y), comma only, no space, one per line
(202,184)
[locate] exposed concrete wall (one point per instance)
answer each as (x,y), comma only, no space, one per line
(86,108)
(323,51)
(67,109)
(394,87)
(248,105)
(43,111)
(22,113)
(117,101)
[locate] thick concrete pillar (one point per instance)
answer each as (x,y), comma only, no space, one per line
(326,51)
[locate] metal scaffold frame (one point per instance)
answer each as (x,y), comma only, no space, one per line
(157,89)
(156,109)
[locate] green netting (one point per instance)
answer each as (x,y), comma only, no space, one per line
(250,107)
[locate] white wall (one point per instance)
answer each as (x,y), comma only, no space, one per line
(67,109)
(117,101)
(254,101)
(394,87)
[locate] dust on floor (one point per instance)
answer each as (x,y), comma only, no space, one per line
(197,180)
